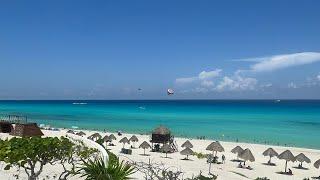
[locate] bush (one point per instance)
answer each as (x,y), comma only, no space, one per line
(199,155)
(97,170)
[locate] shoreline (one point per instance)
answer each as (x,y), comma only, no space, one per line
(189,137)
(194,166)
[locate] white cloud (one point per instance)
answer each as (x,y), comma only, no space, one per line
(210,74)
(292,85)
(207,83)
(236,83)
(284,61)
(318,77)
(204,78)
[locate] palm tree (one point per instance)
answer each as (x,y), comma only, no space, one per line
(97,170)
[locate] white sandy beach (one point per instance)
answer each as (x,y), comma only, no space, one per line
(227,171)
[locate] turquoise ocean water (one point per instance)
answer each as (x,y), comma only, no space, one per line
(288,122)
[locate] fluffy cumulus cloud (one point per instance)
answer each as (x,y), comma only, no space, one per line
(206,83)
(276,62)
(205,78)
(209,75)
(236,83)
(245,79)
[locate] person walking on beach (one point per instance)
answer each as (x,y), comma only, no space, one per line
(223,159)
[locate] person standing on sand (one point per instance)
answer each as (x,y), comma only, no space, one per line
(223,159)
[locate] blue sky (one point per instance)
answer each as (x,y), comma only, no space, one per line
(201,49)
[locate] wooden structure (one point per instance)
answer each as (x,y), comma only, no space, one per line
(5,127)
(18,126)
(26,130)
(13,119)
(161,135)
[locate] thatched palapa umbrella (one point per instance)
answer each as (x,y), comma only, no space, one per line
(81,133)
(145,145)
(134,139)
(302,158)
(166,148)
(95,136)
(70,131)
(187,144)
(317,164)
(124,141)
(106,138)
(271,153)
(112,137)
(247,155)
(237,150)
(287,156)
(215,147)
(187,151)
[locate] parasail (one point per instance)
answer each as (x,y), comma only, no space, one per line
(170,91)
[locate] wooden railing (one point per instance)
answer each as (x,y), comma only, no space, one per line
(13,119)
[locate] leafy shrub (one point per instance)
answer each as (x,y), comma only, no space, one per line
(199,155)
(97,170)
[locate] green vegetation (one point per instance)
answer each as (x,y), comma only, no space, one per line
(97,170)
(32,154)
(200,155)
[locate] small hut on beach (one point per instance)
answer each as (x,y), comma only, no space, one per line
(161,135)
(18,126)
(5,127)
(26,130)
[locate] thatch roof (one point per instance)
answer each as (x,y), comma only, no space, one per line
(247,155)
(187,144)
(317,164)
(270,152)
(161,130)
(96,135)
(124,140)
(134,139)
(70,131)
(287,155)
(215,146)
(237,150)
(81,133)
(106,138)
(145,145)
(186,151)
(166,148)
(302,158)
(112,137)
(26,130)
